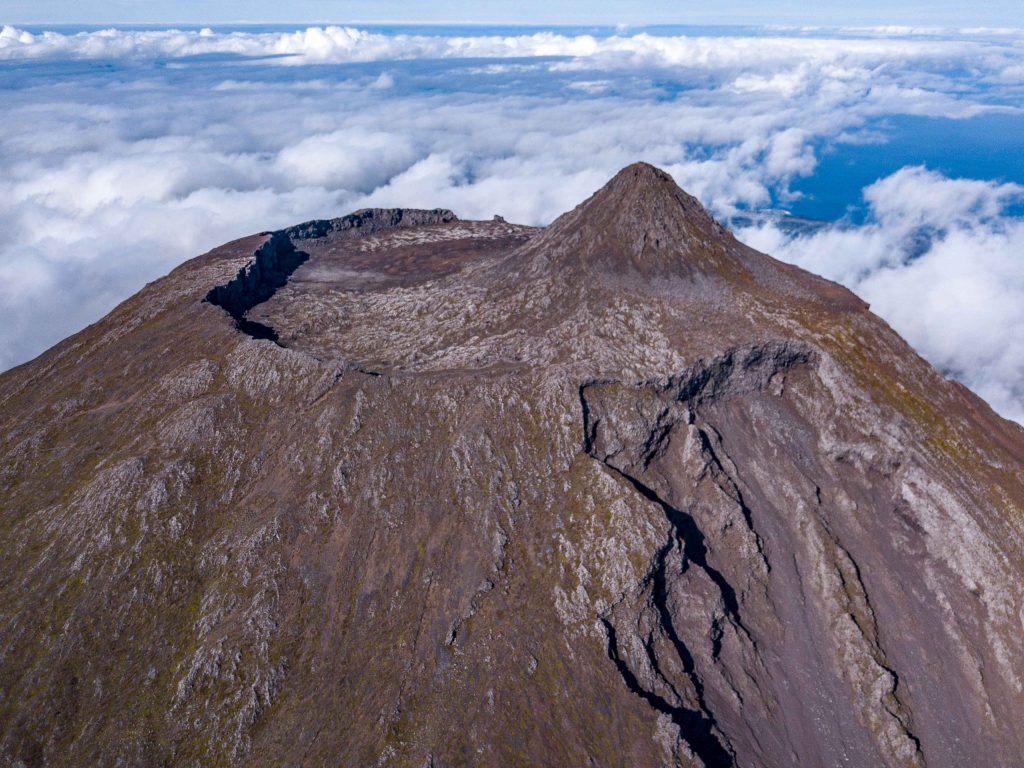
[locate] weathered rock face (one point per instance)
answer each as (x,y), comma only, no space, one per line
(399,489)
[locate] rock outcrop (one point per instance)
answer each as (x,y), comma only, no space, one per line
(400,489)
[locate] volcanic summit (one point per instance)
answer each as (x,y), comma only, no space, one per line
(399,489)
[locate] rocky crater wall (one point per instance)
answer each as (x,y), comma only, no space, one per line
(370,220)
(278,258)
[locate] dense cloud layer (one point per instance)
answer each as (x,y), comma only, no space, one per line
(125,152)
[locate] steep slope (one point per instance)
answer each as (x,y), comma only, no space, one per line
(400,489)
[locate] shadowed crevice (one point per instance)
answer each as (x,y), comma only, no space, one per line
(273,263)
(696,729)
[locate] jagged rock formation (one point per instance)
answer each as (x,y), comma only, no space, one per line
(399,489)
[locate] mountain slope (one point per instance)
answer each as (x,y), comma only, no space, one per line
(400,489)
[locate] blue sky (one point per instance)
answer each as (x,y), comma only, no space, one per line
(828,12)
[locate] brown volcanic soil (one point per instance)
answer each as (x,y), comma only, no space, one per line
(617,492)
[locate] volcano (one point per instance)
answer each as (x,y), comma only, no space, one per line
(399,489)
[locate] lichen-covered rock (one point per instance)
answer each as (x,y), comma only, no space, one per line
(397,489)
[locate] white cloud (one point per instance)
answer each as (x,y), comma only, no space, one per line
(181,140)
(334,44)
(354,160)
(939,261)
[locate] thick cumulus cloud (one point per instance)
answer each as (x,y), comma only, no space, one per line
(125,152)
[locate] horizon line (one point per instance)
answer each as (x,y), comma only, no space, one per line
(921,28)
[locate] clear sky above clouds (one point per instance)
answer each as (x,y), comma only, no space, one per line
(826,12)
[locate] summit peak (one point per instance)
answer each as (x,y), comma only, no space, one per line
(640,174)
(641,221)
(646,184)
